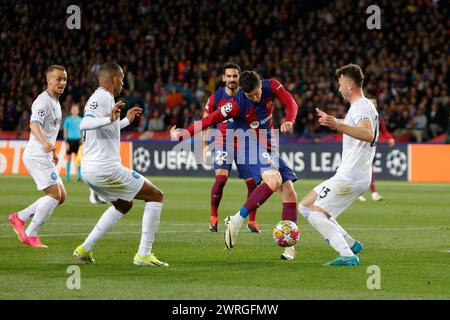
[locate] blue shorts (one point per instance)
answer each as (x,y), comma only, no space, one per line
(222,161)
(267,161)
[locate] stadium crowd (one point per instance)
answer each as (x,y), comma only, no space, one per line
(173,51)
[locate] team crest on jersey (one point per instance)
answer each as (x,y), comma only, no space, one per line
(54,176)
(135,174)
(94,105)
(227,108)
(41,112)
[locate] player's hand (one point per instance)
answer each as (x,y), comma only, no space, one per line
(55,158)
(48,147)
(391,142)
(134,112)
(174,133)
(115,112)
(327,120)
(287,127)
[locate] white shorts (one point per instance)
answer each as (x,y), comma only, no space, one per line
(43,171)
(118,183)
(337,194)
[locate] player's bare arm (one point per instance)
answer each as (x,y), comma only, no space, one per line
(36,129)
(363,130)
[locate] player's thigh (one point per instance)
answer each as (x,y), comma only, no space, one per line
(221,172)
(116,183)
(43,172)
(272,178)
(335,195)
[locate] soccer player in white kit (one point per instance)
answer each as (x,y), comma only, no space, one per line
(40,159)
(102,171)
(329,199)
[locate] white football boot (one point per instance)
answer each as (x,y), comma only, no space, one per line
(289,253)
(231,233)
(376,196)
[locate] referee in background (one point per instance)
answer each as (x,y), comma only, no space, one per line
(72,136)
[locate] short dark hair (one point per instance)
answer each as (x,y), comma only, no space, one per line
(352,71)
(249,80)
(108,70)
(231,65)
(54,67)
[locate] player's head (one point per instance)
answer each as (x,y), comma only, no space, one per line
(56,79)
(350,79)
(74,110)
(231,72)
(111,75)
(251,85)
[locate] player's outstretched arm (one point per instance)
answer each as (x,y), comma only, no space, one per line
(229,110)
(363,130)
(90,122)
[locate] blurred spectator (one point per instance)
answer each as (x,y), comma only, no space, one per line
(156,122)
(172,53)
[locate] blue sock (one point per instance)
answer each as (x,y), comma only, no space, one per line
(68,169)
(244,212)
(79,172)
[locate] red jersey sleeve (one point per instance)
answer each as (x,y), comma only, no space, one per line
(229,110)
(384,131)
(209,106)
(285,98)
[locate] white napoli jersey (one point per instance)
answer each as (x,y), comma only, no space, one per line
(45,110)
(357,155)
(102,145)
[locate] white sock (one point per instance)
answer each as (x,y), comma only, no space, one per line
(44,209)
(330,232)
(109,218)
(26,213)
(350,241)
(305,211)
(237,219)
(150,223)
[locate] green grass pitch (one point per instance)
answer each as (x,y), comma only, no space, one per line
(407,236)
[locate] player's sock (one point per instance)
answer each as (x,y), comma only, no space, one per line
(330,232)
(68,167)
(256,199)
(289,211)
(372,185)
(109,218)
(44,209)
(251,186)
(79,172)
(150,223)
(305,211)
(29,211)
(216,193)
(350,241)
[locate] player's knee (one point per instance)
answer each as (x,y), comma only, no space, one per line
(124,206)
(62,198)
(158,196)
(273,180)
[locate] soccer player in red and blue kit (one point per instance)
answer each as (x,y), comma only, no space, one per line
(251,110)
(222,161)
